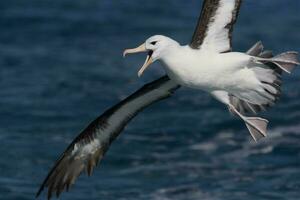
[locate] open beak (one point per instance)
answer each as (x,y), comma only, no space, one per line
(148,60)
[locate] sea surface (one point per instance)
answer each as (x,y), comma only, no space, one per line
(61,66)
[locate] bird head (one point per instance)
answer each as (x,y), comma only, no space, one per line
(156,46)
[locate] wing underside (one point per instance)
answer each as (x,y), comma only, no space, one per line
(213,31)
(214,28)
(89,147)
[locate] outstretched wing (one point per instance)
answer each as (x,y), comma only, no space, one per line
(90,146)
(215,24)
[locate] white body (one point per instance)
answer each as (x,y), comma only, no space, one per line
(211,71)
(246,82)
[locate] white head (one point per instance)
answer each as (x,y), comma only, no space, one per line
(157,46)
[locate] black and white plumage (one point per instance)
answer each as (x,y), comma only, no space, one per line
(215,25)
(213,37)
(245,83)
(90,146)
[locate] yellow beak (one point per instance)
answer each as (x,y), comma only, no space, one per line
(148,61)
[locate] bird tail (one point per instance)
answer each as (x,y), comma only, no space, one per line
(268,69)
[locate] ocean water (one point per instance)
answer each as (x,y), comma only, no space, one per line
(61,67)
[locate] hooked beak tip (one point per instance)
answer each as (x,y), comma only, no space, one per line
(140,74)
(141,48)
(124,53)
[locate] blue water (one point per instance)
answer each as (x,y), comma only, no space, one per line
(61,66)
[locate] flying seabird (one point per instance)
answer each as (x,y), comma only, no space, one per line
(246,82)
(209,64)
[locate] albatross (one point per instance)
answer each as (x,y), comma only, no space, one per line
(246,83)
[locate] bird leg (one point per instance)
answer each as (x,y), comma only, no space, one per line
(257,126)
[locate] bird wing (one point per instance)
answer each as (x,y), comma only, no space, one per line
(215,25)
(91,144)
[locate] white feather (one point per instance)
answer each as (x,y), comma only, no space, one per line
(217,38)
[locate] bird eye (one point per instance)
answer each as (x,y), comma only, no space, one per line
(153,43)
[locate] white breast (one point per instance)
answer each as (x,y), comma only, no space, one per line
(204,70)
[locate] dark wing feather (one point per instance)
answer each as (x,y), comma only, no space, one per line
(215,25)
(69,166)
(89,147)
